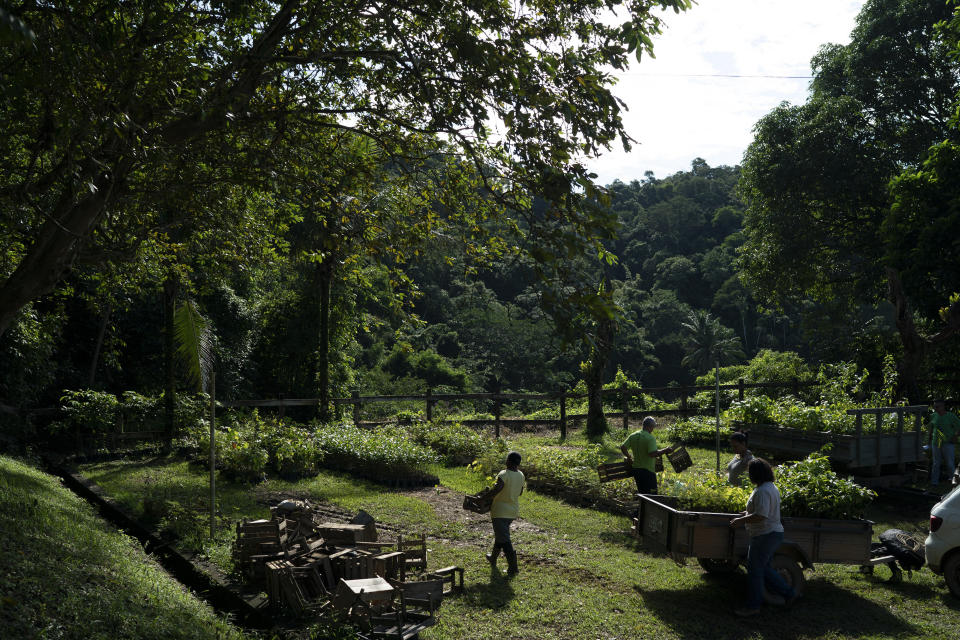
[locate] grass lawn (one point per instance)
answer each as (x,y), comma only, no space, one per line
(582,575)
(64,573)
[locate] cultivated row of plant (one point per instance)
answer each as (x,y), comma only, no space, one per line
(248,446)
(809,488)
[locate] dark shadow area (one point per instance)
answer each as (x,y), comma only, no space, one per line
(124,469)
(494,594)
(825,610)
(624,539)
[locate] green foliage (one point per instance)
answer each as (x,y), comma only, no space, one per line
(696,430)
(456,443)
(242,453)
(140,412)
(705,490)
(89,411)
(386,450)
(810,488)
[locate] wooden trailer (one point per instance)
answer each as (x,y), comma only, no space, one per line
(868,448)
(709,538)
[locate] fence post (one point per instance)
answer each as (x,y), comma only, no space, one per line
(429,405)
(496,416)
(626,406)
(740,389)
(281,407)
(563,415)
(683,401)
(355,396)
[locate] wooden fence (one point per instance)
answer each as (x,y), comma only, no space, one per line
(624,394)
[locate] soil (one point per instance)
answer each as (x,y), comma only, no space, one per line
(447,504)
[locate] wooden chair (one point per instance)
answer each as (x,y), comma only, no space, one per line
(415,554)
(452,576)
(413,610)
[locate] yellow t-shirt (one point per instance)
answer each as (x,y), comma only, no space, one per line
(506,503)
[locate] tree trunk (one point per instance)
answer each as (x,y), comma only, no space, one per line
(915,346)
(169,379)
(325,275)
(593,377)
(104,321)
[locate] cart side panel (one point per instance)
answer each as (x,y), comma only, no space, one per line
(831,541)
(656,520)
(709,535)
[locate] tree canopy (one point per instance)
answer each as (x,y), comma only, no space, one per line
(126,117)
(878,106)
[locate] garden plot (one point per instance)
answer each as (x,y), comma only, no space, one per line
(582,575)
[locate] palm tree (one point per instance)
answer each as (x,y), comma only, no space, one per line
(194,344)
(712,343)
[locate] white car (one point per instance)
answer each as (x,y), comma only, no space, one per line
(942,546)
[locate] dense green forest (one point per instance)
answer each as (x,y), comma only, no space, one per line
(389,257)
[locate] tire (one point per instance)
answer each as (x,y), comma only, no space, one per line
(710,565)
(907,549)
(951,571)
(792,574)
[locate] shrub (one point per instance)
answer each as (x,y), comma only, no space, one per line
(384,451)
(242,453)
(456,443)
(811,488)
(140,413)
(696,430)
(295,452)
(89,411)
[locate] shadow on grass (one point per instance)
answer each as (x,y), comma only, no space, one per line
(494,594)
(623,539)
(824,611)
(122,468)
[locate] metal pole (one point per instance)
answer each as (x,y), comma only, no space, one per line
(213,454)
(718,415)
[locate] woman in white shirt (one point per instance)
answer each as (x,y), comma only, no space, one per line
(762,519)
(504,509)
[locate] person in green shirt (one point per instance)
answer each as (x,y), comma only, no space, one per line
(504,510)
(944,427)
(640,449)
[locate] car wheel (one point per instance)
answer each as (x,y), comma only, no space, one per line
(951,571)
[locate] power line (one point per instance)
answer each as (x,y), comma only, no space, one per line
(714,75)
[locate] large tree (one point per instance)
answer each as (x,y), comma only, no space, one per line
(816,176)
(115,108)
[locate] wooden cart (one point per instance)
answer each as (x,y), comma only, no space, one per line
(709,538)
(867,449)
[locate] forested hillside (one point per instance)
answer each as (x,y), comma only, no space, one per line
(334,263)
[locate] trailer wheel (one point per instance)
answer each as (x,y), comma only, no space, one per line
(951,571)
(790,571)
(711,565)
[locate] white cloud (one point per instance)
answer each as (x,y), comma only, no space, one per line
(676,118)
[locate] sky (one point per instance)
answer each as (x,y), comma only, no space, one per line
(675,118)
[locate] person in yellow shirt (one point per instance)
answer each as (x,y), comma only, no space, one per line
(504,510)
(640,450)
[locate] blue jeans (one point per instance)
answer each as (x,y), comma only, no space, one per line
(942,453)
(759,571)
(501,531)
